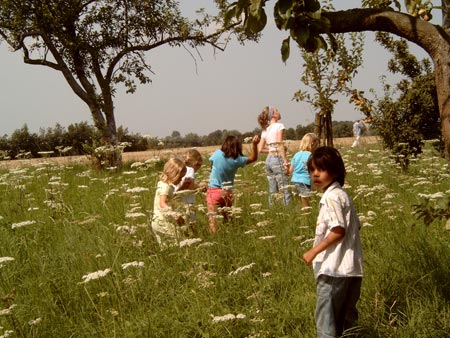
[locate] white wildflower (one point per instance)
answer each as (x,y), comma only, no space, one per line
(262,223)
(137,189)
(227,317)
(22,224)
(307,241)
(255,205)
(3,260)
(206,244)
(7,333)
(189,242)
(8,311)
(137,164)
(95,275)
(433,196)
(133,264)
(266,237)
(35,321)
(113,312)
(129,172)
(125,229)
(242,268)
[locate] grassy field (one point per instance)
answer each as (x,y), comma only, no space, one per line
(78,259)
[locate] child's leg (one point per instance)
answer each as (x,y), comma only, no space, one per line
(305,202)
(350,310)
(335,305)
(325,310)
(213,198)
(212,217)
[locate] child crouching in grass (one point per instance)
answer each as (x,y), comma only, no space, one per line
(166,221)
(188,187)
(336,255)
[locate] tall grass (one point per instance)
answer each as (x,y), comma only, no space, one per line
(78,259)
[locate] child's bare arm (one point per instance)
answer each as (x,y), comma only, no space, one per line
(335,235)
(163,199)
(187,184)
(254,156)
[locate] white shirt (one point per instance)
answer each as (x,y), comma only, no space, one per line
(270,135)
(343,259)
(187,197)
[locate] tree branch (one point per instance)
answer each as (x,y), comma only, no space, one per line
(406,26)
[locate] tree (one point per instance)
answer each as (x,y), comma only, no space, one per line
(403,121)
(99,45)
(307,24)
(328,72)
(23,143)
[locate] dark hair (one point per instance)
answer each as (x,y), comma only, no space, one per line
(328,159)
(232,147)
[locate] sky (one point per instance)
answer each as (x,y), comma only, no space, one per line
(222,90)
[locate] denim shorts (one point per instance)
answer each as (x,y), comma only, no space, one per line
(301,189)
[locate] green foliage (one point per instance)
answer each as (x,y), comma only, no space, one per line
(302,19)
(327,73)
(433,208)
(407,114)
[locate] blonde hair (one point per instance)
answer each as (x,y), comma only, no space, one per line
(173,170)
(193,157)
(308,141)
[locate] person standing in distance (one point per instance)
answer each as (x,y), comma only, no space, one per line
(271,143)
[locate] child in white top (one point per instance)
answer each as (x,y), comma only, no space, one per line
(336,255)
(272,135)
(187,186)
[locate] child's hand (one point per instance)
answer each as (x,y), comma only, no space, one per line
(202,186)
(180,221)
(308,257)
(188,183)
(255,139)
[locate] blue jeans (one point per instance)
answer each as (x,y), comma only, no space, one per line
(336,305)
(278,180)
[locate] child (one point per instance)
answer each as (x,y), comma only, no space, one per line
(166,222)
(299,170)
(336,255)
(193,161)
(224,164)
(272,135)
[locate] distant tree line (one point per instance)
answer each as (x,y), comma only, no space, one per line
(81,138)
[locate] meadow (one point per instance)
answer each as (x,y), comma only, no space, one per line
(78,259)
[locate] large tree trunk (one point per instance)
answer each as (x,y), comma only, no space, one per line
(433,39)
(106,125)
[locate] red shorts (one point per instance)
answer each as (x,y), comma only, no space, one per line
(220,197)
